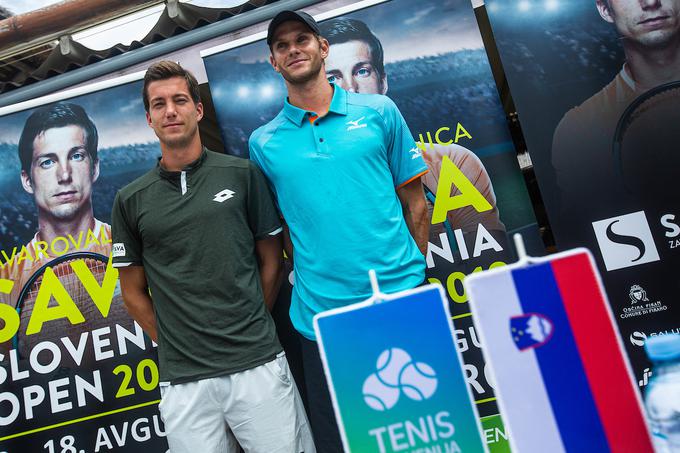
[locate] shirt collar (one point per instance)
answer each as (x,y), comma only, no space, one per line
(339,101)
(189,168)
(627,78)
(338,105)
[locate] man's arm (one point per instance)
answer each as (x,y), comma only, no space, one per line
(270,260)
(407,167)
(415,212)
(138,303)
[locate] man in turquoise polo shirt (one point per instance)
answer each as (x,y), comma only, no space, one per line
(345,171)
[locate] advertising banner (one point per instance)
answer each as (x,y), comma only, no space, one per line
(77,374)
(562,378)
(428,57)
(406,391)
(596,88)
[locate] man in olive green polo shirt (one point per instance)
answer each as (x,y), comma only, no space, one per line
(200,231)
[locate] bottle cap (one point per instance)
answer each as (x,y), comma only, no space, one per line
(661,348)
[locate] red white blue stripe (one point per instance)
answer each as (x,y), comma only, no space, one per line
(562,379)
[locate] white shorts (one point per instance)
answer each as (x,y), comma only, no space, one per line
(259,409)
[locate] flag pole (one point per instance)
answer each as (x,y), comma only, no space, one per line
(377,295)
(520,248)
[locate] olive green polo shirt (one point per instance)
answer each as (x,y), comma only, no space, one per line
(194,232)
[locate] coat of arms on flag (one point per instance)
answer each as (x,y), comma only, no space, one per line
(530,330)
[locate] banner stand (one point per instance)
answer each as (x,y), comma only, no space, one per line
(556,356)
(407,388)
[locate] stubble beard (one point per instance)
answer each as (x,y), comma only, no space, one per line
(71,212)
(66,212)
(661,39)
(305,77)
(182,141)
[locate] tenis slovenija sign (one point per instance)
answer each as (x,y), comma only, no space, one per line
(395,375)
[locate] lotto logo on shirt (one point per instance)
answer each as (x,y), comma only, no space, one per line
(625,241)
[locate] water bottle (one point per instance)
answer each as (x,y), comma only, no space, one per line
(662,399)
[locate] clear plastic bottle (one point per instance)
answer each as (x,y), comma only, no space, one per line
(662,399)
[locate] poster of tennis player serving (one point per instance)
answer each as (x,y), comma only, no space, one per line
(76,372)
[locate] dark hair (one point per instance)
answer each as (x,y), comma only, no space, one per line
(338,31)
(163,70)
(51,116)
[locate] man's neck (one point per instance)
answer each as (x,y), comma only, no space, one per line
(651,68)
(50,229)
(175,158)
(313,96)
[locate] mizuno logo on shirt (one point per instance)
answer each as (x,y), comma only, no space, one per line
(223,195)
(355,124)
(415,153)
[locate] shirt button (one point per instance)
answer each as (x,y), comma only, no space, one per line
(321,140)
(316,123)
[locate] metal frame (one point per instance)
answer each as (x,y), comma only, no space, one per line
(151,51)
(263,34)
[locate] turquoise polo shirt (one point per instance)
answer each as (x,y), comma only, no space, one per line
(335,180)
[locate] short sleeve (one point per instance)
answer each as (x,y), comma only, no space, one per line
(126,249)
(263,218)
(404,157)
(253,152)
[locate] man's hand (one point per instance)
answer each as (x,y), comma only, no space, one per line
(138,303)
(270,261)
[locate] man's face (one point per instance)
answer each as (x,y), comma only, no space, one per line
(650,23)
(297,54)
(172,114)
(349,65)
(62,173)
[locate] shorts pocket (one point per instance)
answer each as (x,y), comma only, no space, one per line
(164,388)
(279,368)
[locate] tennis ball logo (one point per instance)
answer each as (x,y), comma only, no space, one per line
(398,373)
(378,395)
(418,381)
(390,364)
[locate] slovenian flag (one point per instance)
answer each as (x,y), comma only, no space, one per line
(561,377)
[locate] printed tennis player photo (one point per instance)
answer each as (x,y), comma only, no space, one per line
(68,344)
(597,89)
